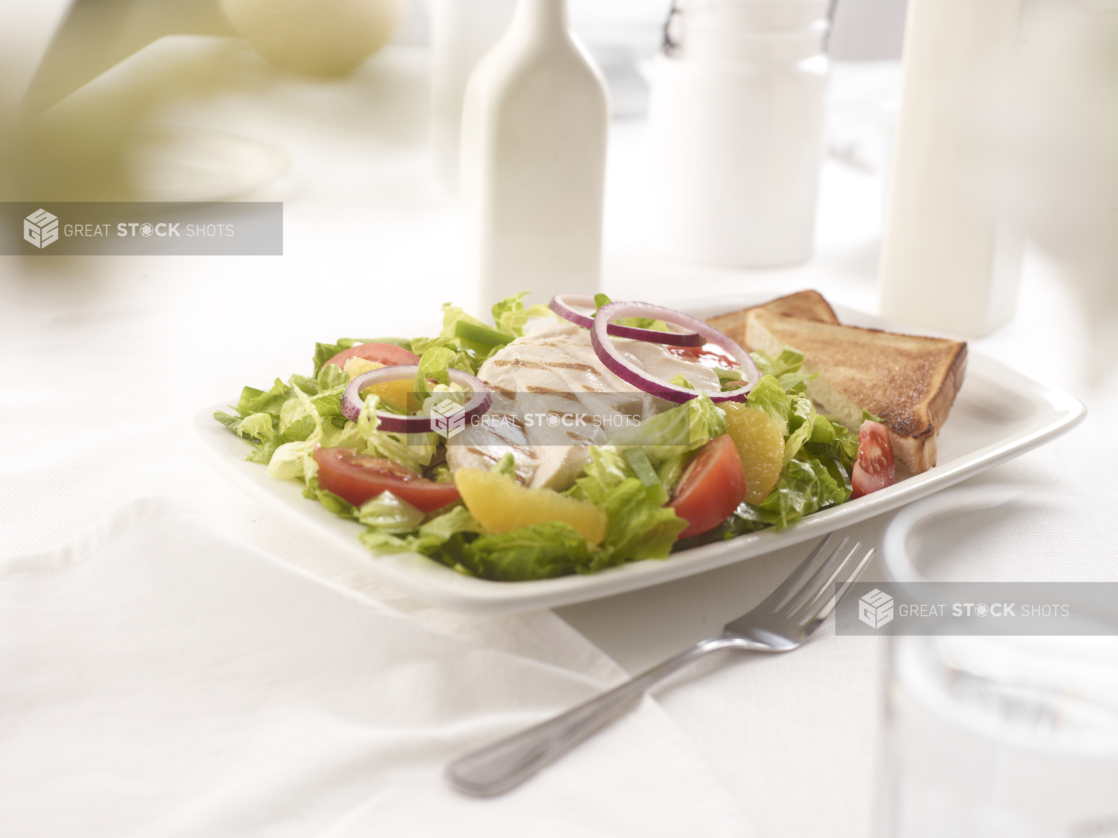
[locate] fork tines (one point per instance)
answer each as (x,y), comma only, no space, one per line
(799,597)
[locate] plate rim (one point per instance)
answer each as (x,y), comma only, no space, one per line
(435,584)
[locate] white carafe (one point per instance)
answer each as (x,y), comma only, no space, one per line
(737,115)
(950,260)
(532,165)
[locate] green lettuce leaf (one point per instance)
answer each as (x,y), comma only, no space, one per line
(389,514)
(608,467)
(680,380)
(839,444)
(788,361)
(257,426)
(456,539)
(541,551)
(444,537)
(330,379)
(769,396)
(640,526)
(510,315)
(805,487)
(307,385)
(257,401)
(412,451)
(333,503)
(801,424)
(434,365)
(670,470)
(506,466)
(298,418)
(676,431)
(286,460)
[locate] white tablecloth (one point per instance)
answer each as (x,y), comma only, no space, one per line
(103,360)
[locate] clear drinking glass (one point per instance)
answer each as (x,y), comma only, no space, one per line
(994,736)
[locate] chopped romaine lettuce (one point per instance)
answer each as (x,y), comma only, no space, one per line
(805,487)
(510,315)
(769,396)
(640,526)
(389,514)
(540,551)
(676,431)
(412,451)
(801,424)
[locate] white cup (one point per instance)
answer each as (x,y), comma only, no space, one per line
(997,736)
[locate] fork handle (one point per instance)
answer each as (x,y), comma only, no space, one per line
(506,763)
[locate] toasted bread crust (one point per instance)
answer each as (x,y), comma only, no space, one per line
(909,381)
(808,305)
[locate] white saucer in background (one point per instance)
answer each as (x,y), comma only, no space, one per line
(171,164)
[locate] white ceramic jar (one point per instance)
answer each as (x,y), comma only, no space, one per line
(532,167)
(737,119)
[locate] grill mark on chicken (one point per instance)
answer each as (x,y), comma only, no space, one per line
(502,443)
(507,419)
(495,421)
(547,391)
(544,365)
(485,455)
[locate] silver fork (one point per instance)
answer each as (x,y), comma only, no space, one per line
(783,621)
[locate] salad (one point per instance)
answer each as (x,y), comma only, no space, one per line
(554,440)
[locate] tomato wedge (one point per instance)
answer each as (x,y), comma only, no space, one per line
(388,354)
(874,469)
(358,477)
(712,486)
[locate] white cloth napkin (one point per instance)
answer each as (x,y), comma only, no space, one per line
(158,678)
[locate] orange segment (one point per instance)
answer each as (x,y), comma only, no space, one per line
(500,505)
(399,393)
(760,445)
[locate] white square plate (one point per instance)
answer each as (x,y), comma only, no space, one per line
(999,414)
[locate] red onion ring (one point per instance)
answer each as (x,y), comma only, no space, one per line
(478,404)
(561,305)
(616,363)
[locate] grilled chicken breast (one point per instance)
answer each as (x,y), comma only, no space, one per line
(553,397)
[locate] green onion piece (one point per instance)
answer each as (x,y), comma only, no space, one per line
(481,334)
(642,467)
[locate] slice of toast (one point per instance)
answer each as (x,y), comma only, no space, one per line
(808,305)
(909,381)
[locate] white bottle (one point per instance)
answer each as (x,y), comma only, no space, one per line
(736,116)
(462,32)
(532,165)
(949,261)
